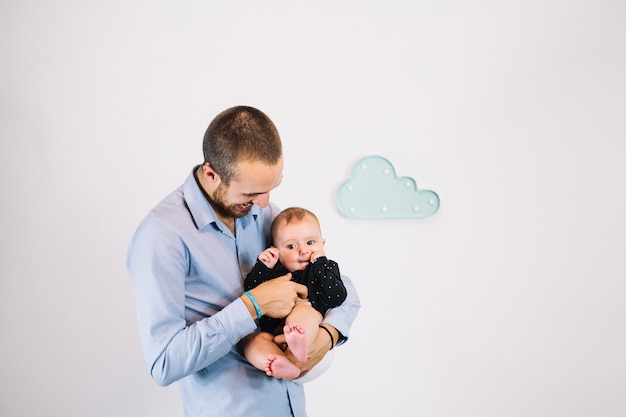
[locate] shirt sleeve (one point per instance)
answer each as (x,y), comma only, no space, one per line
(324,283)
(157,261)
(258,275)
(342,317)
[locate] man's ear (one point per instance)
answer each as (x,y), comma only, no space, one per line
(209,173)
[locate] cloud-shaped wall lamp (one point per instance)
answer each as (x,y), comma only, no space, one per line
(375,192)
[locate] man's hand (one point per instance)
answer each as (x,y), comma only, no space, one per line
(276,297)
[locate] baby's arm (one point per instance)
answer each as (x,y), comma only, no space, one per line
(269,257)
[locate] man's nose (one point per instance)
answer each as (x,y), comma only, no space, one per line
(261,200)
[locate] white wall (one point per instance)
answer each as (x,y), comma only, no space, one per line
(508,302)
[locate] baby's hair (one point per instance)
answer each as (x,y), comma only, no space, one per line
(292,214)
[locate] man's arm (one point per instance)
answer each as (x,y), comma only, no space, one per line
(157,263)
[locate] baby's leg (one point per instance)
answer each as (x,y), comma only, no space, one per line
(301,327)
(258,346)
(296,340)
(261,351)
(280,367)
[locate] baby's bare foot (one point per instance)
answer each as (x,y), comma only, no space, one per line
(296,340)
(281,367)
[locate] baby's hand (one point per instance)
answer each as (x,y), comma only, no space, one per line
(269,257)
(315,255)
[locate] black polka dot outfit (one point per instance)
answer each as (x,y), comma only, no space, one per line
(322,278)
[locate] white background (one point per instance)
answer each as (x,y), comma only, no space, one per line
(510,301)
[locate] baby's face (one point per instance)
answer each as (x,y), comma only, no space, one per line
(296,242)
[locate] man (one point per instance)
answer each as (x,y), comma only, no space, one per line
(187,262)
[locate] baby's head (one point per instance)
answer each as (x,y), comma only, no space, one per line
(297,234)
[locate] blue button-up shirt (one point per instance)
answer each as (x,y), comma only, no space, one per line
(187,271)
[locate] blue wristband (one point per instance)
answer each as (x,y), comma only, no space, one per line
(254,303)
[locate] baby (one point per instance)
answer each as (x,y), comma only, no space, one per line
(299,249)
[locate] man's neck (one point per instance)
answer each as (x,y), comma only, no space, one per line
(229,221)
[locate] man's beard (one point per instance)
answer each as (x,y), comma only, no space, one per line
(219,205)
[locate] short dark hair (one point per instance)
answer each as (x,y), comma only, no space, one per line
(240,133)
